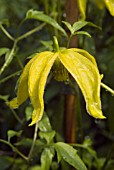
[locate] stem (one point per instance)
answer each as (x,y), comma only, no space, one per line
(70,100)
(34,140)
(14,149)
(107,88)
(6,33)
(19,62)
(69,40)
(16,117)
(31,32)
(11,55)
(70,115)
(10,76)
(56,45)
(46,3)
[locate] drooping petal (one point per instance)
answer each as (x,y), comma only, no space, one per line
(22,92)
(88,78)
(82,8)
(110,6)
(85,54)
(100,4)
(37,79)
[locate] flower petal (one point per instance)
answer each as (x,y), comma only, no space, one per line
(22,92)
(82,7)
(37,79)
(85,54)
(110,6)
(100,4)
(88,78)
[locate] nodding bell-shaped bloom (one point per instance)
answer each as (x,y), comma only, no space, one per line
(79,63)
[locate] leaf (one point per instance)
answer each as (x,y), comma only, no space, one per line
(80,24)
(38,74)
(82,8)
(48,136)
(5,162)
(44,124)
(12,133)
(46,158)
(88,78)
(25,142)
(83,33)
(110,6)
(28,112)
(3,51)
(4,22)
(39,15)
(35,167)
(68,25)
(69,154)
(48,44)
(4,97)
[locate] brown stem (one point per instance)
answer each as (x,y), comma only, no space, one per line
(70,118)
(70,109)
(71,17)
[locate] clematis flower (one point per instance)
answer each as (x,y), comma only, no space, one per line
(79,63)
(109,4)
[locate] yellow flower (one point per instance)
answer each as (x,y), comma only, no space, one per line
(109,4)
(79,63)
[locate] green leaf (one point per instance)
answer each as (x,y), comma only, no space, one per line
(69,154)
(38,74)
(48,45)
(44,124)
(39,15)
(3,51)
(48,136)
(68,25)
(4,22)
(4,97)
(28,112)
(88,78)
(5,162)
(12,133)
(46,158)
(82,8)
(110,6)
(36,167)
(83,33)
(26,142)
(80,24)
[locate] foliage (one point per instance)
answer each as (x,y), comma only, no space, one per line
(30,45)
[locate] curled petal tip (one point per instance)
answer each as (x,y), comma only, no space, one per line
(101,117)
(13,103)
